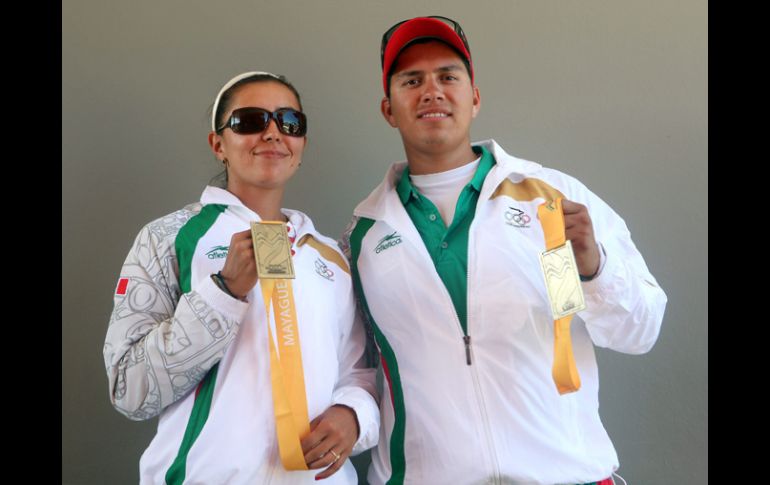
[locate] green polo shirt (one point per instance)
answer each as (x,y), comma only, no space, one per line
(448,246)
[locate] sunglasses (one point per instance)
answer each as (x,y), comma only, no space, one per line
(387,35)
(247,121)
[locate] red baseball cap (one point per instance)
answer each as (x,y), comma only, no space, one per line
(403,34)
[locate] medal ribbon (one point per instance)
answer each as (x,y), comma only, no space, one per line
(286,374)
(564,371)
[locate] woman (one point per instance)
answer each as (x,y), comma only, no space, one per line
(189,333)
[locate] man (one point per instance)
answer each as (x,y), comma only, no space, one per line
(446,259)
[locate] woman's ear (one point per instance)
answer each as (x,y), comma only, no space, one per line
(215,142)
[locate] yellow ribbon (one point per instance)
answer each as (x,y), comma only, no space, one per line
(286,374)
(564,371)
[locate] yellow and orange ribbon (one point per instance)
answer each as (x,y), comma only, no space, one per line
(564,371)
(286,373)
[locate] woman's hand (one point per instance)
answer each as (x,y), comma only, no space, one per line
(240,271)
(331,439)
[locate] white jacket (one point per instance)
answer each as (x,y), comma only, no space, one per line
(171,325)
(500,419)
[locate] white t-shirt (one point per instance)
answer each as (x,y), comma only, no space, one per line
(444,188)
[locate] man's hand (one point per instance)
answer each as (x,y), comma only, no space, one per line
(580,231)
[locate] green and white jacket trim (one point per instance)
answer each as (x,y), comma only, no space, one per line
(499,420)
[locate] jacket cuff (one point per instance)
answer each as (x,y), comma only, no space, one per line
(608,265)
(220,301)
(367,413)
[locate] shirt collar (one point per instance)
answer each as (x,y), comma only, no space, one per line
(406,190)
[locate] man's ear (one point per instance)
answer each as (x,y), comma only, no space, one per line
(387,111)
(476,101)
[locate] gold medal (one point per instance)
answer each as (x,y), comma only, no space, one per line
(272,250)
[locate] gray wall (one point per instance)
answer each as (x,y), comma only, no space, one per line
(611,92)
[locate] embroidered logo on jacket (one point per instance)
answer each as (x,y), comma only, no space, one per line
(388,241)
(516,218)
(217,252)
(323,270)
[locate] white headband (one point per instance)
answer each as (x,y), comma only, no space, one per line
(228,85)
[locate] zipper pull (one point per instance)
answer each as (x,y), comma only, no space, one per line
(467,340)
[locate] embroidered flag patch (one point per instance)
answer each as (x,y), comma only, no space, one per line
(122,286)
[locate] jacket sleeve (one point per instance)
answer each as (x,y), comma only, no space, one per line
(344,241)
(356,387)
(160,343)
(625,304)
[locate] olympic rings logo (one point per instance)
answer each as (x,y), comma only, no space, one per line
(516,217)
(323,270)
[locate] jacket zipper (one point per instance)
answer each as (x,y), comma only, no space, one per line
(474,371)
(477,385)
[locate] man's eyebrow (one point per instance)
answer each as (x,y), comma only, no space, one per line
(415,72)
(411,73)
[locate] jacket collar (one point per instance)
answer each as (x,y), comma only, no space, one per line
(215,195)
(384,203)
